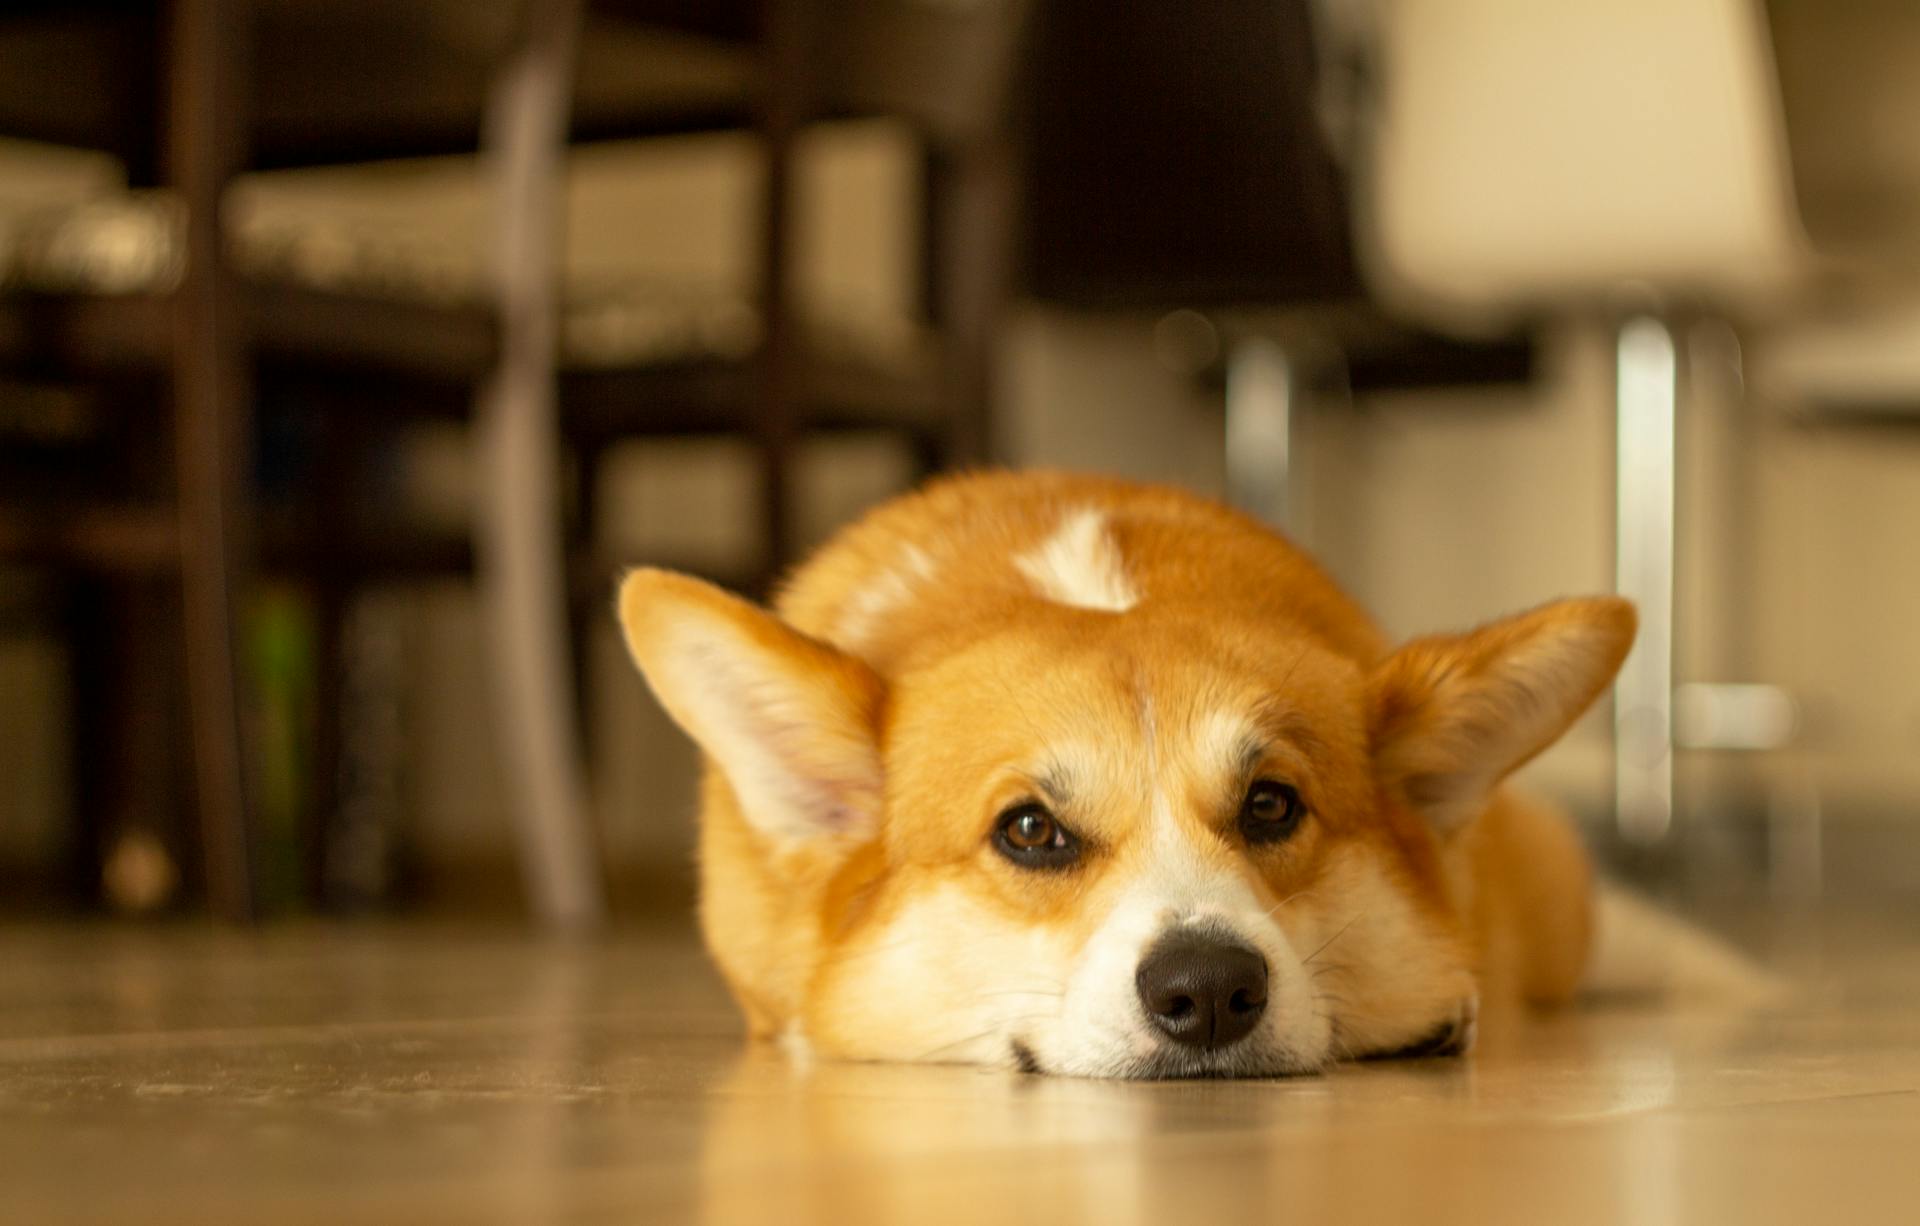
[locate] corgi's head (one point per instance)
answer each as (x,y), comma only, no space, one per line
(1168,841)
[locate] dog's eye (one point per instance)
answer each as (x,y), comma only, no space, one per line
(1271,812)
(1031,837)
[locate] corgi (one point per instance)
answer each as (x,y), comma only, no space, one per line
(1080,776)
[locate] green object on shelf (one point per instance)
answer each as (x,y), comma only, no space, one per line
(281,650)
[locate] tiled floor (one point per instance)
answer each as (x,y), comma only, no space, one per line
(417,1074)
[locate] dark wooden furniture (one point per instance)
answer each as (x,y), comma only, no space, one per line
(363,79)
(92,74)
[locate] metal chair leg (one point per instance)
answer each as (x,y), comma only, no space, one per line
(1647,392)
(1263,389)
(519,538)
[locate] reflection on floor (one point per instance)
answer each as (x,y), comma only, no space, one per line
(418,1074)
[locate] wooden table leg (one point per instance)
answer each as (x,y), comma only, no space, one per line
(207,50)
(783,105)
(102,755)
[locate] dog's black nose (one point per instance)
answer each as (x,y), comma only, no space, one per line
(1202,991)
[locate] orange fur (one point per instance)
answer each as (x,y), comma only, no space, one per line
(1137,655)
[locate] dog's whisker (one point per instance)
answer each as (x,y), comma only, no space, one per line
(931,1052)
(1324,945)
(1268,914)
(997,1028)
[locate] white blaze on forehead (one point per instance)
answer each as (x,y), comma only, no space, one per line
(1079,565)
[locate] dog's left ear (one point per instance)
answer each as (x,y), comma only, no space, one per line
(791,722)
(1452,715)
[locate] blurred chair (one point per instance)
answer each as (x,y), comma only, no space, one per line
(642,360)
(943,70)
(636,360)
(1621,158)
(368,332)
(1176,158)
(206,327)
(1844,71)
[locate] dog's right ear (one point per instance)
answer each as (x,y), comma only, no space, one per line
(1453,714)
(791,722)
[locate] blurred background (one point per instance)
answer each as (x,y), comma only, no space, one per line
(349,350)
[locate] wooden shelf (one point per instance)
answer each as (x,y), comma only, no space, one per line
(359,80)
(131,538)
(294,325)
(677,399)
(113,334)
(719,398)
(87,333)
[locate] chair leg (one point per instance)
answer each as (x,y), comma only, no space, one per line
(1263,390)
(205,142)
(101,756)
(519,538)
(1646,391)
(783,106)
